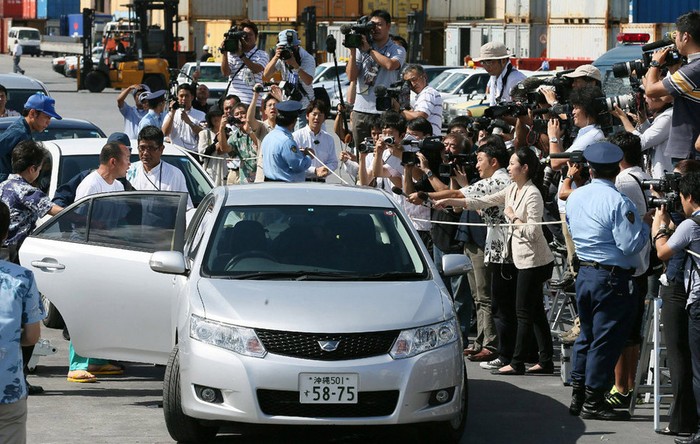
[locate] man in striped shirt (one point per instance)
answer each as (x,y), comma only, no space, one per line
(245,67)
(428,102)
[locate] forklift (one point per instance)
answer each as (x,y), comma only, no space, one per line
(145,55)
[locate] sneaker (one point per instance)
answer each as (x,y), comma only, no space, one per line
(494,364)
(617,400)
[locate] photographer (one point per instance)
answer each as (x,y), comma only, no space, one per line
(314,136)
(241,143)
(245,66)
(682,85)
(668,243)
(582,76)
(495,59)
(297,68)
(382,167)
(208,145)
(182,124)
(428,102)
(377,63)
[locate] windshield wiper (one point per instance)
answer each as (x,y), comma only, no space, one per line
(394,276)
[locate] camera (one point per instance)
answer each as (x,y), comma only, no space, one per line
(428,143)
(265,87)
(449,168)
(287,51)
(562,85)
(668,185)
(233,121)
(366,145)
(499,127)
(506,109)
(353,33)
(175,105)
(389,140)
(401,91)
(291,91)
(478,124)
(627,102)
(572,156)
(409,158)
(232,39)
(641,66)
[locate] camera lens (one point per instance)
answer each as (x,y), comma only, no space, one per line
(389,140)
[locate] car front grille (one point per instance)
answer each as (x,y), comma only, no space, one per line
(307,345)
(286,403)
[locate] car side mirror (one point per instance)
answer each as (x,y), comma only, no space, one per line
(454,265)
(169,262)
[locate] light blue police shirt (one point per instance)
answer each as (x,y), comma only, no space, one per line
(605,225)
(282,159)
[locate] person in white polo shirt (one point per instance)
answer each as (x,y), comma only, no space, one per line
(428,102)
(183,123)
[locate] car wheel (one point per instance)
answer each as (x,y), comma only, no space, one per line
(53,317)
(452,431)
(95,81)
(181,427)
(155,82)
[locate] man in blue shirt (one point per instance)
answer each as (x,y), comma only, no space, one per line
(155,101)
(283,160)
(608,234)
(21,310)
(37,114)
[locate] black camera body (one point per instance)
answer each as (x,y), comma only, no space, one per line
(232,39)
(668,183)
(353,33)
(562,85)
(287,51)
(175,105)
(512,109)
(641,66)
(366,145)
(291,91)
(233,121)
(572,156)
(401,91)
(464,160)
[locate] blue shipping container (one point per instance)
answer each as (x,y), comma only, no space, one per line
(53,9)
(75,25)
(653,11)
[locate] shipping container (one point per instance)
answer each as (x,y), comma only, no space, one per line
(526,40)
(494,9)
(344,10)
(75,25)
(5,25)
(655,30)
(291,10)
(397,8)
(54,9)
(525,11)
(590,41)
(216,9)
(29,9)
(455,9)
(591,11)
(214,31)
(11,8)
(648,11)
(482,33)
(257,10)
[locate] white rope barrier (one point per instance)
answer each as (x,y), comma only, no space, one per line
(474,224)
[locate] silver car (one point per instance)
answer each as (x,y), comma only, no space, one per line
(296,304)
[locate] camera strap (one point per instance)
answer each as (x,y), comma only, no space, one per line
(230,79)
(509,69)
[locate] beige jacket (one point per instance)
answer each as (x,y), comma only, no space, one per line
(528,244)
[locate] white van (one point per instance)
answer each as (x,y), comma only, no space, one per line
(29,38)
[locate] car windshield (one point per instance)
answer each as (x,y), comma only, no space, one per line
(330,74)
(29,35)
(451,84)
(349,243)
(440,78)
(69,133)
(197,185)
(208,73)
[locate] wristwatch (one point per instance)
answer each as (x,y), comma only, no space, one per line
(654,64)
(429,174)
(570,177)
(553,140)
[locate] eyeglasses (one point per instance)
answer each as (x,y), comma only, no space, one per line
(489,62)
(148,148)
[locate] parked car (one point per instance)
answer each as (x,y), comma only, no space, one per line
(65,128)
(19,88)
(70,62)
(253,326)
(210,75)
(629,49)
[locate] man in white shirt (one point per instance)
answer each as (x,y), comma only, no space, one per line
(114,163)
(495,58)
(428,102)
(245,67)
(183,123)
(313,136)
(16,55)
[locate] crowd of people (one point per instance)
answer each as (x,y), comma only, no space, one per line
(493,175)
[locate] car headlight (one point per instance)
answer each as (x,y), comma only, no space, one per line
(422,339)
(241,340)
(444,106)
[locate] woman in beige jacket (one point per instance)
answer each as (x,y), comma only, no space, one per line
(531,254)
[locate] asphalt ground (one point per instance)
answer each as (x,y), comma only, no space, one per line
(127,409)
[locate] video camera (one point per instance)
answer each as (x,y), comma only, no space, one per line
(453,161)
(265,87)
(232,39)
(668,185)
(367,145)
(562,85)
(401,91)
(641,66)
(291,90)
(287,51)
(426,146)
(512,109)
(572,156)
(353,33)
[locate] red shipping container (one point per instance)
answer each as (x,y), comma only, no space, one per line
(29,9)
(11,8)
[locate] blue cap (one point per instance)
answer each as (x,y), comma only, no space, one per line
(154,95)
(282,37)
(120,138)
(289,107)
(42,102)
(603,153)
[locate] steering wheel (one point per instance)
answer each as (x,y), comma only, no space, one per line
(249,254)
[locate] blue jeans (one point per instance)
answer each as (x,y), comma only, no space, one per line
(461,294)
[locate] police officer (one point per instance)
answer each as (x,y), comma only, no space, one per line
(283,161)
(608,234)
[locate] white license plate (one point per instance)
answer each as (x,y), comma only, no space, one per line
(328,388)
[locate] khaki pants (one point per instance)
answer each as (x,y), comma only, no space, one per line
(570,249)
(13,422)
(480,283)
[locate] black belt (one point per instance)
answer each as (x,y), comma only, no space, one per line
(316,179)
(611,268)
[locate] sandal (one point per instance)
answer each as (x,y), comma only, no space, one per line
(80,376)
(106,369)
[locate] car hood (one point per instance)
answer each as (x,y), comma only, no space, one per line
(337,307)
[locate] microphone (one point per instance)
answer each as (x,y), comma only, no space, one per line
(422,195)
(330,43)
(345,29)
(667,40)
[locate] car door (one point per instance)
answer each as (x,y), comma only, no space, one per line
(92,262)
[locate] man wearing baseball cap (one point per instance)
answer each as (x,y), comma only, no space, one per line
(155,102)
(608,233)
(206,55)
(495,58)
(132,114)
(36,116)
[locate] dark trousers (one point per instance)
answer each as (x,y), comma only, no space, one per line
(683,416)
(694,342)
(606,309)
(529,309)
(504,279)
(362,125)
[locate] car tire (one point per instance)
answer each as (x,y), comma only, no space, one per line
(53,317)
(154,81)
(95,81)
(181,427)
(452,431)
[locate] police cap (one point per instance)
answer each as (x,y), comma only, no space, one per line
(289,107)
(603,155)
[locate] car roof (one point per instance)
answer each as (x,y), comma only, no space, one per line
(188,64)
(76,147)
(328,64)
(64,123)
(18,81)
(304,193)
(466,70)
